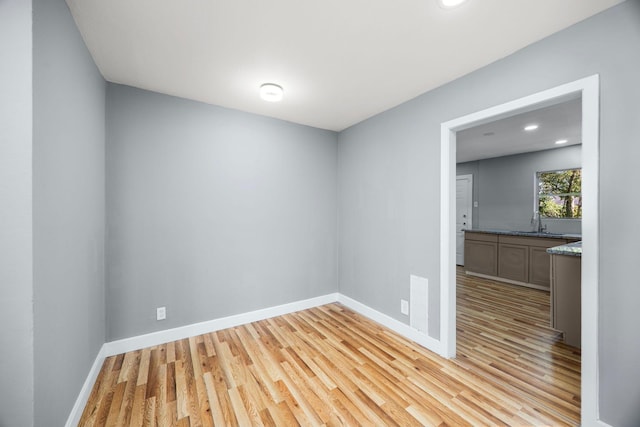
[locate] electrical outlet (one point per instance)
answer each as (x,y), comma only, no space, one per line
(161,313)
(404,306)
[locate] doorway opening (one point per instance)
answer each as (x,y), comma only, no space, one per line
(588,90)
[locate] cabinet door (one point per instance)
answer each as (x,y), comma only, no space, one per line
(481,257)
(539,266)
(513,262)
(566,297)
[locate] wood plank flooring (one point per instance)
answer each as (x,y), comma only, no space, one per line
(331,366)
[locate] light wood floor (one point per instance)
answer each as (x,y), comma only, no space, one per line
(331,366)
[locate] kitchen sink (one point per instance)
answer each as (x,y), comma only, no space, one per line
(535,233)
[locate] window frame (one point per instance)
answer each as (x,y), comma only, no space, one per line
(536,184)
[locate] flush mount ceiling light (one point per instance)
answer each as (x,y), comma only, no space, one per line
(271,92)
(561,141)
(531,127)
(448,4)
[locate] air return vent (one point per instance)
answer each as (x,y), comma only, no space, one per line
(419,304)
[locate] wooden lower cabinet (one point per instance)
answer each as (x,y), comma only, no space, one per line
(566,287)
(513,262)
(540,265)
(515,259)
(481,253)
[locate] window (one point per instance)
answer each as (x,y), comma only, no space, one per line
(560,193)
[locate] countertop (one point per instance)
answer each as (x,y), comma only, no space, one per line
(571,249)
(525,233)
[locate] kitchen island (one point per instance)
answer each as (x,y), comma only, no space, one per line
(566,285)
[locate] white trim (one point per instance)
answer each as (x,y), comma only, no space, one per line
(509,281)
(391,323)
(590,249)
(142,341)
(85,391)
(447,241)
(589,89)
(155,338)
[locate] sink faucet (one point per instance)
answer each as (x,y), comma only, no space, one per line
(537,220)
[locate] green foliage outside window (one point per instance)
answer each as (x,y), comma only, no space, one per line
(560,194)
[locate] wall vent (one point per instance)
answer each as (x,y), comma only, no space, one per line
(419,304)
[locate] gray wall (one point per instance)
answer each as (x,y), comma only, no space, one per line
(389,185)
(504,188)
(68,211)
(16,281)
(212,212)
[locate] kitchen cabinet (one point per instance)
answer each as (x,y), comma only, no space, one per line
(539,265)
(540,260)
(512,258)
(513,261)
(566,284)
(481,253)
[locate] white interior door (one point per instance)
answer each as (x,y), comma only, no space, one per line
(464,203)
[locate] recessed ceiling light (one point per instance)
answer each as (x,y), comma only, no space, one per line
(531,127)
(448,4)
(561,141)
(271,92)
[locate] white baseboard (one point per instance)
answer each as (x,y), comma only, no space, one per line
(148,340)
(142,341)
(182,332)
(393,324)
(85,391)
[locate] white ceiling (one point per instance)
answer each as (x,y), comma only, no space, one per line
(339,61)
(507,136)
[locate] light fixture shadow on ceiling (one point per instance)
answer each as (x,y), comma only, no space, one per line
(450,4)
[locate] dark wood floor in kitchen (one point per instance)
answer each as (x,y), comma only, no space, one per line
(331,366)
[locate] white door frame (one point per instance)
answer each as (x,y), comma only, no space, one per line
(588,88)
(469,178)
